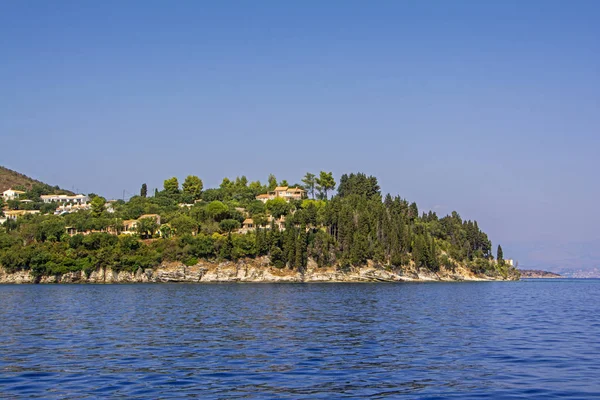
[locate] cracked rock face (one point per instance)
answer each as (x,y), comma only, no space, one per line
(248,270)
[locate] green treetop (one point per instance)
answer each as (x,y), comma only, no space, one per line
(171,186)
(325,183)
(193,186)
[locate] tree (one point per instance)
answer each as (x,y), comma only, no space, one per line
(358,184)
(184,224)
(193,186)
(309,183)
(228,225)
(97,205)
(277,207)
(413,211)
(146,227)
(165,231)
(272,182)
(325,183)
(217,210)
(144,190)
(500,255)
(171,186)
(284,183)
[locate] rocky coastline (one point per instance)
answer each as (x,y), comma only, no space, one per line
(247,270)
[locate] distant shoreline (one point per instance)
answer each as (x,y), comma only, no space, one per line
(538,274)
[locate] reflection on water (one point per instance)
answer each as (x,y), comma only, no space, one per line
(514,339)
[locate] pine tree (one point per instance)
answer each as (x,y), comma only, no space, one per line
(144,190)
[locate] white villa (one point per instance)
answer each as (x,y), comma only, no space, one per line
(66,199)
(12,194)
(283,192)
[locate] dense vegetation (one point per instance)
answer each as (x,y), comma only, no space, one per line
(354,226)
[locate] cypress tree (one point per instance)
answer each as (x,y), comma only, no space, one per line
(500,255)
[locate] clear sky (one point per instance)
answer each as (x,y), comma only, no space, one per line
(490,108)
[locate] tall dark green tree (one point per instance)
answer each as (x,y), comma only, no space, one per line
(500,255)
(358,184)
(144,190)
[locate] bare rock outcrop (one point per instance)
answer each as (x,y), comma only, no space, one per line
(249,270)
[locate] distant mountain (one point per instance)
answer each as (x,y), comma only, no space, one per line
(536,273)
(563,258)
(10,179)
(581,273)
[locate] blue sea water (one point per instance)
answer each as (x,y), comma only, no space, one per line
(528,339)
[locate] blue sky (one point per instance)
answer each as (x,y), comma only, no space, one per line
(487,108)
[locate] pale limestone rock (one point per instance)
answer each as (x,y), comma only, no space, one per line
(249,270)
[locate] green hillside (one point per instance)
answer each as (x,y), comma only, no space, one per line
(10,179)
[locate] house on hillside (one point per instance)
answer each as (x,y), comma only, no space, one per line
(249,226)
(65,199)
(11,194)
(130,225)
(283,192)
(15,214)
(66,208)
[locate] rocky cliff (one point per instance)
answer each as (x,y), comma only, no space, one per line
(249,270)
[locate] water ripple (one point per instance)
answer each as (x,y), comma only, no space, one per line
(530,339)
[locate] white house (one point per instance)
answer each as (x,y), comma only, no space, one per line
(66,199)
(11,194)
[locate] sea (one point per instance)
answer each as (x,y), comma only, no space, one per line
(534,339)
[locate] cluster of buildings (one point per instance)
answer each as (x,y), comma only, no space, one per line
(66,203)
(283,192)
(248,225)
(70,203)
(77,199)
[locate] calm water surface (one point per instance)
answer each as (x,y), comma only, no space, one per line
(533,339)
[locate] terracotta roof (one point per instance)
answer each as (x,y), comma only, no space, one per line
(295,190)
(149,216)
(248,221)
(278,188)
(263,196)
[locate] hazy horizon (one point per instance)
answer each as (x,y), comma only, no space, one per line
(489,109)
